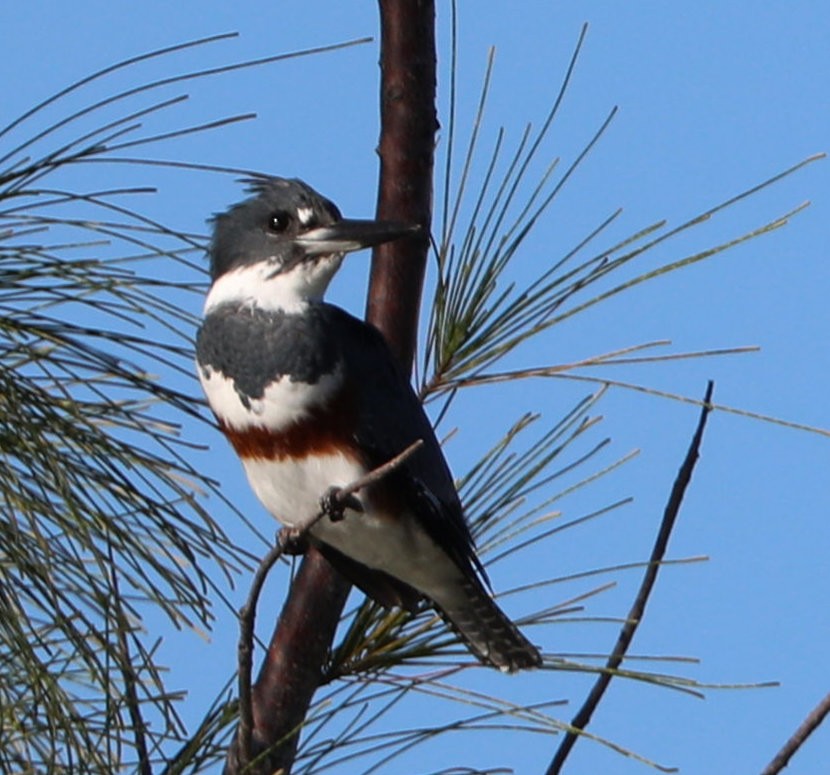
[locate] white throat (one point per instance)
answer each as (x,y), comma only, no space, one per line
(256,285)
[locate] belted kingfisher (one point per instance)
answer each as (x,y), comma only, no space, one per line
(312,398)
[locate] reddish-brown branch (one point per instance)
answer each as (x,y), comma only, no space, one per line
(291,670)
(408,126)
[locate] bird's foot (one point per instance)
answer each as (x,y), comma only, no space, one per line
(292,540)
(334,504)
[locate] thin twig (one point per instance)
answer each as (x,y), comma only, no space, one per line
(605,382)
(128,673)
(245,653)
(247,614)
(378,473)
(606,359)
(635,615)
(799,737)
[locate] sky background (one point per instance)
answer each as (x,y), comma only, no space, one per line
(713,98)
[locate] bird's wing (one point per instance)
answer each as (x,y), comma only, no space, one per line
(391,418)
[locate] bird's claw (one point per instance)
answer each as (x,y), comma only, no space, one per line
(292,540)
(334,504)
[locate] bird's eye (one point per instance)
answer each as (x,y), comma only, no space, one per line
(278,221)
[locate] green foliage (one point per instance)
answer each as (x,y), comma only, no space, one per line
(101,525)
(478,316)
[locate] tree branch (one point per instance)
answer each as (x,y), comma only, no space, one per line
(406,150)
(635,615)
(290,671)
(302,638)
(247,746)
(799,737)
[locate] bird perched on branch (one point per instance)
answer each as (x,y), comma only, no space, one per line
(312,398)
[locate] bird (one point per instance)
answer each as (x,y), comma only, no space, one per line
(312,398)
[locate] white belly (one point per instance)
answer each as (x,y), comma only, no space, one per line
(291,491)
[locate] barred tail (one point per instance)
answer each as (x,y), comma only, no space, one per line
(486,629)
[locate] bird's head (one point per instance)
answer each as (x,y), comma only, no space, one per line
(280,248)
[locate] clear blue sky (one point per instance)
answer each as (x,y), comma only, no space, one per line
(714,98)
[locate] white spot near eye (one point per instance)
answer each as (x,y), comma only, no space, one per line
(305,214)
